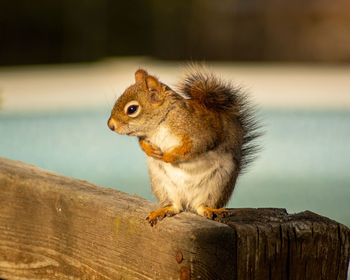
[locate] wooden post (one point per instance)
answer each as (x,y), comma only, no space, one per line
(56,227)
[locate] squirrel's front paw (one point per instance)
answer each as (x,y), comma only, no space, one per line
(150,149)
(156,152)
(160,214)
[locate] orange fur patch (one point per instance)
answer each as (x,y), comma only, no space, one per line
(210,213)
(178,152)
(218,210)
(150,149)
(160,214)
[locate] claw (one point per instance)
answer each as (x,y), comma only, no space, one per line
(210,213)
(150,149)
(160,214)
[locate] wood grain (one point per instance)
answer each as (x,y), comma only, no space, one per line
(56,227)
(276,245)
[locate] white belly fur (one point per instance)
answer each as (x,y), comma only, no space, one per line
(192,183)
(164,139)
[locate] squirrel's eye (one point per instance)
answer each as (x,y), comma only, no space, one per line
(132,109)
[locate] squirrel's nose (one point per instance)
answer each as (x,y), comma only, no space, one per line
(112,123)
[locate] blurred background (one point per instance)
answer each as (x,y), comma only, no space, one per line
(64,63)
(60,31)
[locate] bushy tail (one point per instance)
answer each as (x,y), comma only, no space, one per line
(221,96)
(201,85)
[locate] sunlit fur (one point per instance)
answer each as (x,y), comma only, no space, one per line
(197,140)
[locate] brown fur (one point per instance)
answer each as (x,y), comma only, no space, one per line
(218,96)
(213,121)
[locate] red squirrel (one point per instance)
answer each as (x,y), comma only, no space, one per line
(197,139)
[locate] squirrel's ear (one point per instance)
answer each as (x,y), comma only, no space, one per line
(153,83)
(155,89)
(140,76)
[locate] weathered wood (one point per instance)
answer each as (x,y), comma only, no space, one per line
(274,244)
(55,227)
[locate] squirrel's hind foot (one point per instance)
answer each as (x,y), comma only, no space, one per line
(210,213)
(160,214)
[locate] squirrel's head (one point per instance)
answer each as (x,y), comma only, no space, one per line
(138,109)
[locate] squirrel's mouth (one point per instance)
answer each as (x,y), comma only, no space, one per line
(130,133)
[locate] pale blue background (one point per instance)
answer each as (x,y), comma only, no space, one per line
(304,164)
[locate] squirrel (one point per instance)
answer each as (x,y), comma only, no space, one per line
(198,139)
